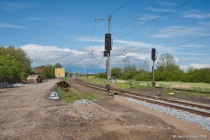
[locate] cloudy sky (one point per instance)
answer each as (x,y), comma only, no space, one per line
(71,32)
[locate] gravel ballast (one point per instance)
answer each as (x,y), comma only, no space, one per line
(204,122)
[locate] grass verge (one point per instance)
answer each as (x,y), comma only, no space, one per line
(190,94)
(73,95)
(127,84)
(196,87)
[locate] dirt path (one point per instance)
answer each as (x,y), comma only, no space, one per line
(27,113)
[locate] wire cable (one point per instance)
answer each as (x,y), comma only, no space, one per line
(193,40)
(92,34)
(139,16)
(155,19)
(195,32)
(114,11)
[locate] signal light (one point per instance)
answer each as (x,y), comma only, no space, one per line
(108,42)
(153,54)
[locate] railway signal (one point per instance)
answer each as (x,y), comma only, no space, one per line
(108,42)
(153,57)
(153,54)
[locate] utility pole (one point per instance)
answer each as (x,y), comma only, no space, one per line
(108,54)
(108,44)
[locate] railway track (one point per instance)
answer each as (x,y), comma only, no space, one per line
(188,107)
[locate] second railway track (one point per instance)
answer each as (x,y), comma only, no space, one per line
(188,107)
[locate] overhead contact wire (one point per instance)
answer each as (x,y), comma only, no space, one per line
(156,18)
(139,16)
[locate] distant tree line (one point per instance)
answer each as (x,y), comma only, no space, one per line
(49,71)
(166,70)
(15,65)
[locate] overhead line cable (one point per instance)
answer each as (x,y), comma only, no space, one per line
(93,33)
(139,16)
(155,19)
(97,38)
(194,40)
(114,11)
(195,32)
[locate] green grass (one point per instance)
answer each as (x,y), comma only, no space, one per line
(73,95)
(186,85)
(190,94)
(197,87)
(125,85)
(95,81)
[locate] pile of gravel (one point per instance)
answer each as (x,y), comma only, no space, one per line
(80,102)
(204,122)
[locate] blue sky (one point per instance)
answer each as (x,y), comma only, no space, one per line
(66,32)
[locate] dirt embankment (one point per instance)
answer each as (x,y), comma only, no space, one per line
(27,113)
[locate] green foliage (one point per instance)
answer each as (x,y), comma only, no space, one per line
(9,70)
(116,72)
(167,70)
(73,95)
(167,61)
(165,75)
(129,72)
(15,64)
(102,75)
(49,71)
(143,76)
(198,75)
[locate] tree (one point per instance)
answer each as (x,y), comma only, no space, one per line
(198,75)
(145,65)
(49,71)
(143,75)
(167,61)
(22,62)
(102,75)
(116,72)
(58,65)
(167,70)
(9,69)
(129,72)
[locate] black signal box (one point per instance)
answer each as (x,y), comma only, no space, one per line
(153,54)
(108,42)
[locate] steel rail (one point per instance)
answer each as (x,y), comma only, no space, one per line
(154,100)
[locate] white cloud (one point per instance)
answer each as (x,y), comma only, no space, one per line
(197,15)
(33,19)
(168,4)
(193,46)
(87,39)
(194,54)
(91,56)
(159,10)
(147,17)
(11,6)
(8,25)
(42,55)
(199,66)
(195,66)
(176,31)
